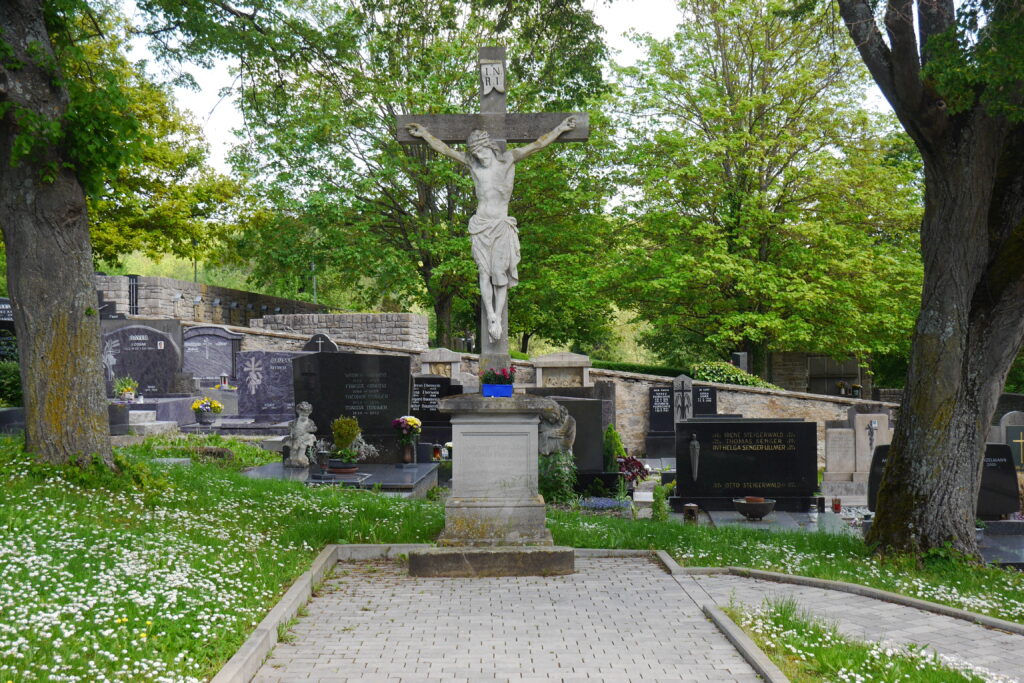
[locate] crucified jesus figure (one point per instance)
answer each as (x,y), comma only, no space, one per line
(495,234)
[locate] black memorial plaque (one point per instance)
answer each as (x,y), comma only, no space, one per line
(999,494)
(374,389)
(773,459)
(6,310)
(149,356)
(210,352)
(660,411)
(705,401)
(320,343)
(427,391)
(266,390)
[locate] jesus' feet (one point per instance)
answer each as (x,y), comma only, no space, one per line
(494,327)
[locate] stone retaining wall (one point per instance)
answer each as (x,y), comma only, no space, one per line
(164,297)
(402,330)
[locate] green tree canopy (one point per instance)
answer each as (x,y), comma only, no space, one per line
(333,187)
(769,210)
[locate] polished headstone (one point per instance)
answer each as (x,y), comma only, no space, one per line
(588,449)
(769,458)
(320,343)
(705,401)
(266,390)
(210,352)
(146,354)
(999,493)
(373,388)
(660,415)
(1015,440)
(427,391)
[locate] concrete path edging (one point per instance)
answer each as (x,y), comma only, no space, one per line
(254,651)
(754,655)
(877,594)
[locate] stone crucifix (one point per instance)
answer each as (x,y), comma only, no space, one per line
(494,233)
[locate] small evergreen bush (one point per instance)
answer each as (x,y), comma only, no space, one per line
(659,505)
(556,477)
(10,383)
(344,430)
(613,449)
(725,373)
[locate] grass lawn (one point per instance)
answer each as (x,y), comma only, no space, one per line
(160,574)
(807,649)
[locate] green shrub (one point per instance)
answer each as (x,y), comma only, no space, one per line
(344,430)
(641,368)
(659,506)
(10,383)
(556,477)
(725,373)
(613,449)
(519,355)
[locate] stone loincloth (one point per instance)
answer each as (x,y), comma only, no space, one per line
(496,248)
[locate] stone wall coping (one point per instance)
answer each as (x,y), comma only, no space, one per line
(844,400)
(562,359)
(305,337)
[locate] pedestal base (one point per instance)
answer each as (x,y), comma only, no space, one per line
(474,562)
(494,521)
(494,498)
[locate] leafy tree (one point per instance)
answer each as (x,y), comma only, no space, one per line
(390,222)
(954,78)
(769,210)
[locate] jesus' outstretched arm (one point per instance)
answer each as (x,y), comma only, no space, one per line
(544,140)
(418,131)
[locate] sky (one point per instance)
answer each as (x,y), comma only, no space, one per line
(218,116)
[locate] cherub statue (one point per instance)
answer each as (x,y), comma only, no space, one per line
(557,430)
(301,441)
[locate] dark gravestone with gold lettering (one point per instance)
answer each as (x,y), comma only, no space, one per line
(999,494)
(661,431)
(374,389)
(736,458)
(427,391)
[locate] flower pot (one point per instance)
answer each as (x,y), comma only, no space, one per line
(205,418)
(127,395)
(497,390)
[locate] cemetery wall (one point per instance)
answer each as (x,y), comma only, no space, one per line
(632,397)
(164,297)
(405,330)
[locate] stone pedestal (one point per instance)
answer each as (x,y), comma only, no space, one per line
(494,499)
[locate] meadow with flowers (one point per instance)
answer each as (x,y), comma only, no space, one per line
(160,574)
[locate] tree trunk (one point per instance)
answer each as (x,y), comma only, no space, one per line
(969,331)
(49,261)
(524,342)
(443,321)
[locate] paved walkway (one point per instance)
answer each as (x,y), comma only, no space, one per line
(375,623)
(615,620)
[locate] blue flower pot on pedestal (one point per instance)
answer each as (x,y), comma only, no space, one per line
(496,390)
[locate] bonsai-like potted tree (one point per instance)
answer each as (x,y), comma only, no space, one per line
(344,458)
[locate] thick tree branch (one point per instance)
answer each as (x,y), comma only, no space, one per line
(860,22)
(933,17)
(906,62)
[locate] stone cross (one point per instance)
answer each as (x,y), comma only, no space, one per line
(438,130)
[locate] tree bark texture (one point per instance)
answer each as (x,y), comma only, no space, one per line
(443,321)
(972,311)
(49,260)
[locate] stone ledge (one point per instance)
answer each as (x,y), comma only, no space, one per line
(497,561)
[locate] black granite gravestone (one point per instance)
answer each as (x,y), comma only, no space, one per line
(999,494)
(705,401)
(770,458)
(661,432)
(266,390)
(1015,440)
(374,389)
(6,315)
(603,390)
(427,390)
(320,343)
(149,356)
(210,352)
(588,449)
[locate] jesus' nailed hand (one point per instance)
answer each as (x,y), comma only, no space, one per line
(494,233)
